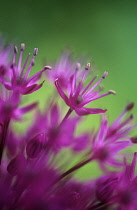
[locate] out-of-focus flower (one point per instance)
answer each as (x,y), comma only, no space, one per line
(58,135)
(63,70)
(79,96)
(126,189)
(17,77)
(109,140)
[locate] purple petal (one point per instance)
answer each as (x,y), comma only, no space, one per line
(61,93)
(86,111)
(80,143)
(36,76)
(54,115)
(32,88)
(26,109)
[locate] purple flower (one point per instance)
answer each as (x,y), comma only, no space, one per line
(109,140)
(57,135)
(9,106)
(79,96)
(126,189)
(17,77)
(62,70)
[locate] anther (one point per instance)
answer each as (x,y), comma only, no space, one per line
(88,66)
(33,63)
(35,51)
(78,66)
(129,106)
(47,67)
(131,116)
(134,139)
(22,48)
(112,92)
(15,49)
(104,75)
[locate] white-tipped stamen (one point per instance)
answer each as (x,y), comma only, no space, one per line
(22,47)
(112,92)
(78,66)
(88,66)
(104,75)
(47,67)
(15,49)
(35,51)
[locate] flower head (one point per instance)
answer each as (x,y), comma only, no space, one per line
(18,79)
(110,139)
(63,70)
(79,96)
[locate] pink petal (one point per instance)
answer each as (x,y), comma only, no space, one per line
(31,89)
(54,115)
(86,111)
(21,111)
(61,93)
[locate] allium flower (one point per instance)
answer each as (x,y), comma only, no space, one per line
(62,70)
(111,139)
(35,171)
(79,96)
(58,135)
(18,78)
(126,189)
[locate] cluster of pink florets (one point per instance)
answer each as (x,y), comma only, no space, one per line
(34,171)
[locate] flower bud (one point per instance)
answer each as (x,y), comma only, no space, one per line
(34,146)
(16,165)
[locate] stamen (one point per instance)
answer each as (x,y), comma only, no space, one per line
(78,66)
(22,71)
(22,47)
(86,88)
(129,106)
(47,67)
(112,92)
(88,66)
(15,49)
(14,56)
(104,75)
(20,58)
(134,140)
(83,76)
(97,83)
(31,63)
(35,51)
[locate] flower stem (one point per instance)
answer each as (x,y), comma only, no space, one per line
(3,138)
(76,167)
(66,116)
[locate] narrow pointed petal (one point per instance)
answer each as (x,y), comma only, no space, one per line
(54,115)
(36,76)
(86,111)
(31,89)
(61,93)
(26,109)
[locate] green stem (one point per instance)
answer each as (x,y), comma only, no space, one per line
(66,116)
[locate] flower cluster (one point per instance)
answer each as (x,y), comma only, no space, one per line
(35,171)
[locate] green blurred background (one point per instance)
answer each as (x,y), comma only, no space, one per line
(103,30)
